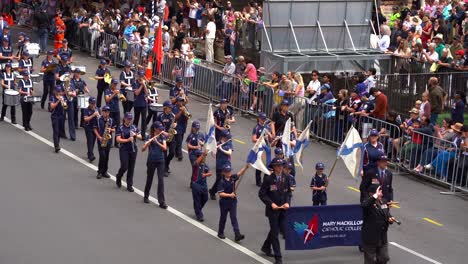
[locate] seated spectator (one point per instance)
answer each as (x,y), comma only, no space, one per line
(444,134)
(445,58)
(440,163)
(461,162)
(414,116)
(421,137)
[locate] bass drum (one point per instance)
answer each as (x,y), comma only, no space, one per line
(11,97)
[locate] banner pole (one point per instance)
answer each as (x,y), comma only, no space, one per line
(337,157)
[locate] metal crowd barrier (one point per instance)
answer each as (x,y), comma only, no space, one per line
(460,181)
(435,158)
(106,46)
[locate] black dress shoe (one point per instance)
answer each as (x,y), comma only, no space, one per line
(146,200)
(200,219)
(221,236)
(130,189)
(278,261)
(213,196)
(163,205)
(267,252)
(73,139)
(2,119)
(166,174)
(27,129)
(92,159)
(64,137)
(13,122)
(239,237)
(99,175)
(57,149)
(106,175)
(179,158)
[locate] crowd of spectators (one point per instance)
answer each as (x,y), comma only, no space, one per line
(435,33)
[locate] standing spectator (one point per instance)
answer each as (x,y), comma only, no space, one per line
(313,89)
(426,31)
(430,55)
(425,108)
(370,80)
(166,39)
(226,83)
(381,104)
(180,36)
(59,31)
(458,107)
(194,7)
(41,20)
(384,42)
(210,33)
(439,44)
(437,97)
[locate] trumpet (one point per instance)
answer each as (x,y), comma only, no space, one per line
(63,103)
(122,97)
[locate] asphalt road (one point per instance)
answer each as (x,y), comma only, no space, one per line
(54,210)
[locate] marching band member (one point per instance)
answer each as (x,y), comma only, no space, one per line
(222,116)
(6,34)
(66,51)
(181,116)
(126,136)
(70,95)
(275,193)
(140,104)
(90,116)
(25,64)
(257,131)
(25,87)
(156,146)
(60,31)
(198,182)
(112,100)
(167,118)
(20,44)
(57,115)
(8,82)
(228,200)
(223,158)
(127,79)
(101,84)
(318,185)
(80,86)
(195,140)
(61,69)
(48,79)
(103,122)
(152,98)
(6,52)
(178,90)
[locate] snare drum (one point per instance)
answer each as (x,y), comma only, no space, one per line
(33,49)
(32,99)
(11,97)
(130,95)
(35,77)
(155,107)
(81,68)
(14,65)
(83,101)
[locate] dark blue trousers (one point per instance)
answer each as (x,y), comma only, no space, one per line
(200,197)
(71,119)
(127,164)
(214,188)
(103,164)
(275,219)
(151,168)
(228,206)
(57,126)
(48,89)
(90,141)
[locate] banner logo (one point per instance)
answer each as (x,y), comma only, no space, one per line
(309,231)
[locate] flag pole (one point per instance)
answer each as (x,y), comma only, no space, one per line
(337,157)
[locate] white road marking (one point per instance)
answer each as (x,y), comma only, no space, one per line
(172,210)
(415,253)
(187,218)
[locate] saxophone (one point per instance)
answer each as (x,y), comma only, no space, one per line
(107,134)
(226,121)
(172,132)
(187,114)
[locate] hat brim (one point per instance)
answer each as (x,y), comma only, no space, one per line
(455,128)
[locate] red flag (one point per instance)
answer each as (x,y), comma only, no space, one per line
(157,47)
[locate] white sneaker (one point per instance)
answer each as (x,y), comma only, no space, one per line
(428,167)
